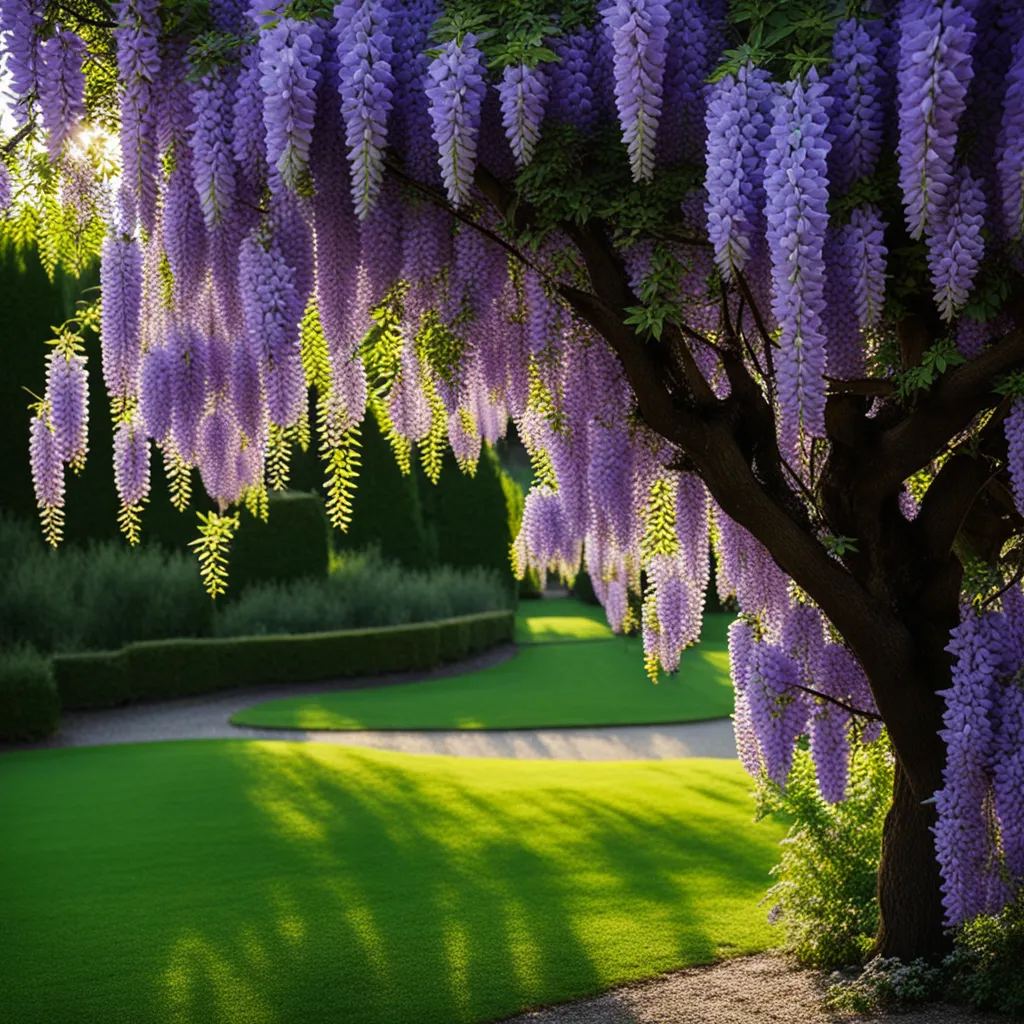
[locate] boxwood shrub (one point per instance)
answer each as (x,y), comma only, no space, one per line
(161,669)
(29,705)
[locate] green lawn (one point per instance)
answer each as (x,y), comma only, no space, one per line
(599,682)
(242,882)
(555,621)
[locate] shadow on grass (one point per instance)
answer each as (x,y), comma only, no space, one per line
(267,883)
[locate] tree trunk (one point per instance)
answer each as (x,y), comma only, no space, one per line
(909,898)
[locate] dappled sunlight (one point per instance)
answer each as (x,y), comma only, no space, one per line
(717,659)
(199,977)
(547,629)
(316,883)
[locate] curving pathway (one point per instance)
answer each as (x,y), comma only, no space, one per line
(208,717)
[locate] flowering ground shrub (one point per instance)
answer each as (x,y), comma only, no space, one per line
(985,969)
(826,893)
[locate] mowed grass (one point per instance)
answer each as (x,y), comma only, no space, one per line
(245,882)
(560,620)
(546,684)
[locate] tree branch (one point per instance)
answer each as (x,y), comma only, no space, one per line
(947,409)
(839,703)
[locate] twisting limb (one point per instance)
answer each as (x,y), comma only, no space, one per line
(20,134)
(839,703)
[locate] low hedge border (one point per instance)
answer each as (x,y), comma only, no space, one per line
(162,669)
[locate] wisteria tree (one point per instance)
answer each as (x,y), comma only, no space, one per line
(746,278)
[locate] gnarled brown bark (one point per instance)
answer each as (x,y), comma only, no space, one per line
(909,897)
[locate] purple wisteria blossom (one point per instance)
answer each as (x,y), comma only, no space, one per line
(796,187)
(67,393)
(778,714)
(246,389)
(1010,165)
(982,649)
(131,463)
(572,99)
(746,570)
(188,369)
(290,54)
(956,246)
(220,443)
(156,392)
(830,749)
(738,123)
(610,479)
(269,308)
(456,90)
(138,64)
(741,657)
(365,83)
(380,239)
(61,87)
(411,122)
(682,133)
(1014,428)
(524,92)
(47,465)
(868,253)
(544,542)
(213,164)
(184,231)
(856,84)
(248,137)
(121,287)
(408,407)
(935,71)
(1008,772)
(20,24)
(638,30)
(844,349)
(5,187)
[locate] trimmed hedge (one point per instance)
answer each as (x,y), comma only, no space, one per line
(292,544)
(29,705)
(469,516)
(386,508)
(161,669)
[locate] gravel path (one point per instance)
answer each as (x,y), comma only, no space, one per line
(208,717)
(764,989)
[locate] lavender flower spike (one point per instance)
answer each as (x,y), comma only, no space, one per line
(289,65)
(523,92)
(47,467)
(20,23)
(1010,168)
(456,92)
(797,193)
(212,158)
(131,463)
(935,71)
(956,247)
(61,87)
(638,30)
(121,287)
(738,122)
(1013,425)
(365,83)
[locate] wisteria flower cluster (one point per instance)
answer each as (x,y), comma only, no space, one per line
(456,93)
(365,82)
(796,189)
(639,35)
